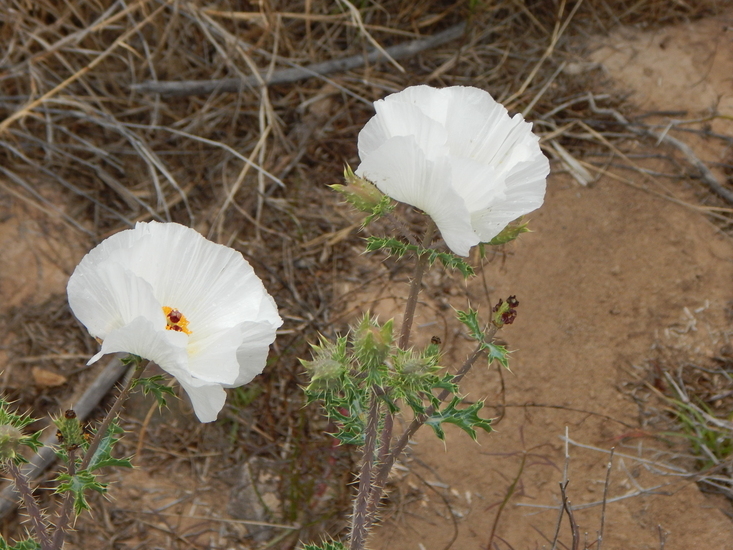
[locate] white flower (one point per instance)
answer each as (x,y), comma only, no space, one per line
(163,292)
(457,155)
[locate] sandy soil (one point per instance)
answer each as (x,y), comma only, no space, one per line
(610,272)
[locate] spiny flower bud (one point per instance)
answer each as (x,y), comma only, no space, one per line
(359,192)
(328,365)
(324,368)
(372,343)
(509,233)
(10,441)
(416,364)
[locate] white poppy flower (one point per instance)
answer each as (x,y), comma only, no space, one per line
(196,308)
(457,155)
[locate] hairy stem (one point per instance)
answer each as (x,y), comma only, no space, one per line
(415,285)
(40,528)
(385,466)
(63,518)
(360,524)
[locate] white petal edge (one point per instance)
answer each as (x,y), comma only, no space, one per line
(207,400)
(396,118)
(525,193)
(252,353)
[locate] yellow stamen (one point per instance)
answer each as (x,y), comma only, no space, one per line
(175,320)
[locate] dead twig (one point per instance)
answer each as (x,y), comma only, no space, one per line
(296,73)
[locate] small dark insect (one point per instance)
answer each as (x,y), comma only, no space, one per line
(435,340)
(70,414)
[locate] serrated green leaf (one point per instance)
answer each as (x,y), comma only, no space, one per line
(395,247)
(78,485)
(497,353)
(103,455)
(452,261)
(153,386)
(470,320)
(467,419)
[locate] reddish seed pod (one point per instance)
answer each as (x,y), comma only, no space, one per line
(435,340)
(70,414)
(176,328)
(512,301)
(175,316)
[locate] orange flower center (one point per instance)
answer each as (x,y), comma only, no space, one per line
(175,320)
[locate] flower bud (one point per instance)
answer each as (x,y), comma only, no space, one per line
(372,343)
(10,441)
(359,192)
(509,233)
(324,368)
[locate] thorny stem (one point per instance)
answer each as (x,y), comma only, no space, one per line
(31,505)
(415,285)
(386,466)
(360,524)
(370,493)
(63,518)
(386,463)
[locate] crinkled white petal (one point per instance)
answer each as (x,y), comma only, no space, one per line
(525,193)
(207,400)
(214,358)
(433,102)
(106,296)
(400,169)
(395,118)
(141,337)
(476,183)
(252,352)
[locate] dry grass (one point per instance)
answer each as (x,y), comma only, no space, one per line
(249,168)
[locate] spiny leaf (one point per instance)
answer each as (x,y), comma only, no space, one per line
(103,455)
(497,353)
(153,385)
(470,320)
(395,247)
(467,419)
(77,485)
